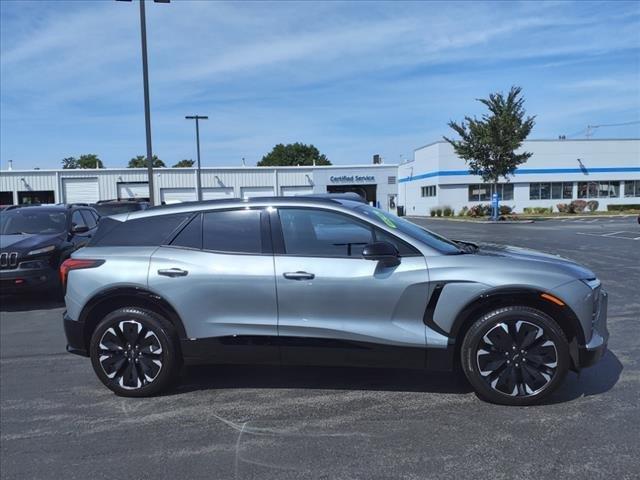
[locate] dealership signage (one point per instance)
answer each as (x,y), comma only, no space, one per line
(352,179)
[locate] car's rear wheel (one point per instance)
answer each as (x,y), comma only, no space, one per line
(515,356)
(135,352)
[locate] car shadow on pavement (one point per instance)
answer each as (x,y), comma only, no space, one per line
(322,378)
(27,303)
(594,380)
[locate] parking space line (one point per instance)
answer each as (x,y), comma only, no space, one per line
(608,235)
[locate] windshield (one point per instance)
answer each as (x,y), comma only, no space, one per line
(30,220)
(433,240)
(108,209)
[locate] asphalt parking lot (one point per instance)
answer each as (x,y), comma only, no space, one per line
(58,421)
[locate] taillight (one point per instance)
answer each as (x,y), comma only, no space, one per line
(76,264)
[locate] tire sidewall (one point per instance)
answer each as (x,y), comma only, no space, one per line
(490,320)
(165,334)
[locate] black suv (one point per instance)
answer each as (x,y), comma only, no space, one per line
(35,240)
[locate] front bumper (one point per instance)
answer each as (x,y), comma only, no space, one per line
(22,280)
(74,331)
(592,352)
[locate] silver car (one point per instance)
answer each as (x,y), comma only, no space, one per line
(323,281)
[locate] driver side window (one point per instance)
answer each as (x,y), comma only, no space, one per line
(321,233)
(77,220)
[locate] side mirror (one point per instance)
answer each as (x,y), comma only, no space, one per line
(382,252)
(79,229)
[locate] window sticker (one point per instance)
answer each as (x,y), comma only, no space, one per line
(386,220)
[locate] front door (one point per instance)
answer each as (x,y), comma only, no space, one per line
(218,274)
(335,307)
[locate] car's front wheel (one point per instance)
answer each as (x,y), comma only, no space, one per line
(515,356)
(135,352)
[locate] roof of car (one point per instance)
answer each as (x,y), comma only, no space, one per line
(348,201)
(51,206)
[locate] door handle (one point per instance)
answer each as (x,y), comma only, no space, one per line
(298,276)
(173,272)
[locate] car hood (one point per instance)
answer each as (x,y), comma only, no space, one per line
(540,259)
(28,241)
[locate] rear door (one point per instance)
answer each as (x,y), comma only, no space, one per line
(218,274)
(336,307)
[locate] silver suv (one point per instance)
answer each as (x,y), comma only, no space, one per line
(323,281)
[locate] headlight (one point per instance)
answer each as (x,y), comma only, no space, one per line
(50,248)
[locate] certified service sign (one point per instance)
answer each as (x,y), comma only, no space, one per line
(353,179)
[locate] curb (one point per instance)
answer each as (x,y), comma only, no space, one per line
(455,219)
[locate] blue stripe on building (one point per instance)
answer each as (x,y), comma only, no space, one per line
(523,171)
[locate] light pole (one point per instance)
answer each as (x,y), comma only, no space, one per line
(147,108)
(197,118)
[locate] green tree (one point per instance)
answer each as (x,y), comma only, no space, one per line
(69,163)
(141,162)
(185,163)
(88,160)
(292,155)
(488,145)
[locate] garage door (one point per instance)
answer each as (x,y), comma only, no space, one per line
(80,190)
(133,190)
(218,192)
(250,192)
(175,195)
(292,191)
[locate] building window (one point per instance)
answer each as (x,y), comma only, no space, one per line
(604,189)
(549,190)
(428,191)
(482,192)
(632,188)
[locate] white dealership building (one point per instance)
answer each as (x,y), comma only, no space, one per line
(375,182)
(558,171)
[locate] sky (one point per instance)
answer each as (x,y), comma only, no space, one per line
(352,78)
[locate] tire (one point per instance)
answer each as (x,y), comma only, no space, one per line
(135,352)
(515,356)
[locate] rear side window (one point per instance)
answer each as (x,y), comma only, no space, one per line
(141,232)
(191,235)
(233,231)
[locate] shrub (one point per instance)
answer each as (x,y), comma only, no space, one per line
(537,210)
(463,211)
(447,212)
(438,212)
(480,210)
(577,206)
(563,208)
(506,210)
(592,205)
(622,208)
(432,212)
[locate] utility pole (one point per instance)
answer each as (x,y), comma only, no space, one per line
(197,118)
(147,108)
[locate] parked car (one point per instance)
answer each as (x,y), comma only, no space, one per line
(323,281)
(34,241)
(106,208)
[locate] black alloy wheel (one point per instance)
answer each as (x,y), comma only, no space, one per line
(515,355)
(135,352)
(130,354)
(517,358)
